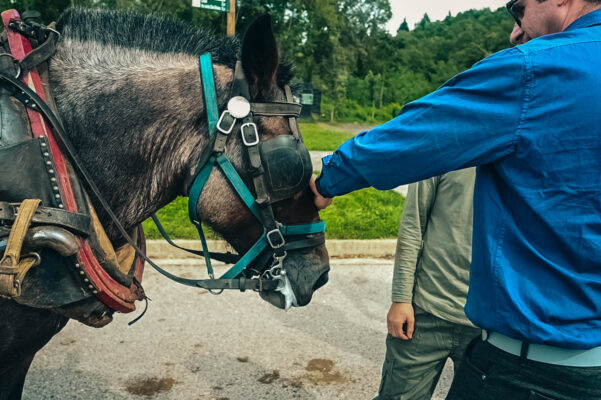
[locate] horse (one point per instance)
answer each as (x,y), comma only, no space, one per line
(128,91)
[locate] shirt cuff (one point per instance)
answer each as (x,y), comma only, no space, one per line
(320,190)
(402,299)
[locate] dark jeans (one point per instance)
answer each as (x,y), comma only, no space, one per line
(488,373)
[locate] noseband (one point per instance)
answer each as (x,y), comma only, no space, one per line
(269,184)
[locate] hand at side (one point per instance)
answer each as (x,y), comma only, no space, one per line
(401,315)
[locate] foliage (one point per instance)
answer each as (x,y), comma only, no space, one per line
(366,214)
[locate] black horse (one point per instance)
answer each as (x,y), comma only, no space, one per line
(128,90)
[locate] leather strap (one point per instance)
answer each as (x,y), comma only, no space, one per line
(75,222)
(208,84)
(40,53)
(12,267)
(276,109)
(228,258)
(292,121)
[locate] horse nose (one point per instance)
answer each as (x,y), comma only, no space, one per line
(323,279)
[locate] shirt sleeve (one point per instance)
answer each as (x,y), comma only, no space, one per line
(471,120)
(420,199)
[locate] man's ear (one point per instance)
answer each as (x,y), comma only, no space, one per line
(260,55)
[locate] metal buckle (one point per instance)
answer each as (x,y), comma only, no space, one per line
(278,241)
(249,141)
(226,130)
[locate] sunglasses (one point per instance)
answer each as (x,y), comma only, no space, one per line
(516,10)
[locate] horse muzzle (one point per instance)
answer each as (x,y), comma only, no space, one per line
(304,272)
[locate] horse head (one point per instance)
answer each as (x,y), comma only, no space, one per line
(132,104)
(287,168)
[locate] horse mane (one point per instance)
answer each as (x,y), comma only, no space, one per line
(153,33)
(149,32)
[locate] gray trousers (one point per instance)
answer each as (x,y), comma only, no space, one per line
(412,367)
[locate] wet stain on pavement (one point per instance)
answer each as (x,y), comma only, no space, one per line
(360,280)
(295,383)
(150,386)
(321,372)
(270,378)
(242,359)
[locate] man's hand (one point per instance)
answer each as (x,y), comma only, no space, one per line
(399,315)
(320,201)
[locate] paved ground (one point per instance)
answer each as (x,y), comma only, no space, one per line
(316,157)
(192,345)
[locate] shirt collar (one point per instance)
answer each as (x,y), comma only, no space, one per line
(590,19)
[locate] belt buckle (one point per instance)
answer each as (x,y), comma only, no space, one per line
(277,241)
(250,134)
(227,129)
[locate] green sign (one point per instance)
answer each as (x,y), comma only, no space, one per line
(215,5)
(307,98)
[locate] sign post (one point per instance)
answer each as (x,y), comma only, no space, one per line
(231,19)
(228,6)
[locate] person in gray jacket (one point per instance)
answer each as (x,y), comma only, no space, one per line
(426,321)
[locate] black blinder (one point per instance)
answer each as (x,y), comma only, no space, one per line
(287,165)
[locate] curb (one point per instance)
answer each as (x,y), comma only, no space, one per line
(380,248)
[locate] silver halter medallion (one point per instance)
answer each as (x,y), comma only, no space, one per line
(238,107)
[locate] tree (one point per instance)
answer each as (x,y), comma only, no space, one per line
(424,22)
(404,27)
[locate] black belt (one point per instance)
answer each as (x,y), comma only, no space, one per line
(77,223)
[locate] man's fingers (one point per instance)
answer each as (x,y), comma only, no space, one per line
(410,327)
(401,334)
(320,201)
(395,328)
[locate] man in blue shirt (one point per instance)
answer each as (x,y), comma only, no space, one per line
(530,118)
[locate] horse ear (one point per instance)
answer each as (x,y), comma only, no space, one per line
(260,55)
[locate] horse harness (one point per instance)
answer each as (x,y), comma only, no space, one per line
(61,219)
(280,167)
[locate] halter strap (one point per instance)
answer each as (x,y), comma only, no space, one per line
(208,83)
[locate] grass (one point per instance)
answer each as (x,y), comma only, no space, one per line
(174,218)
(320,139)
(365,214)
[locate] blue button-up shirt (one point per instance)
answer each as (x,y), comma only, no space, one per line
(530,118)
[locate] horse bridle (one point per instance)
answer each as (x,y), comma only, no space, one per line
(241,109)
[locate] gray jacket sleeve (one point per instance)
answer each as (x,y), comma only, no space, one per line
(419,202)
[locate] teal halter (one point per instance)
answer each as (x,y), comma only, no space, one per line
(275,234)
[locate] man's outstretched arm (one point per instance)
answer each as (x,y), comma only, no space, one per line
(473,119)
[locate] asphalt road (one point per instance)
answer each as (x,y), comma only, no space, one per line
(193,345)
